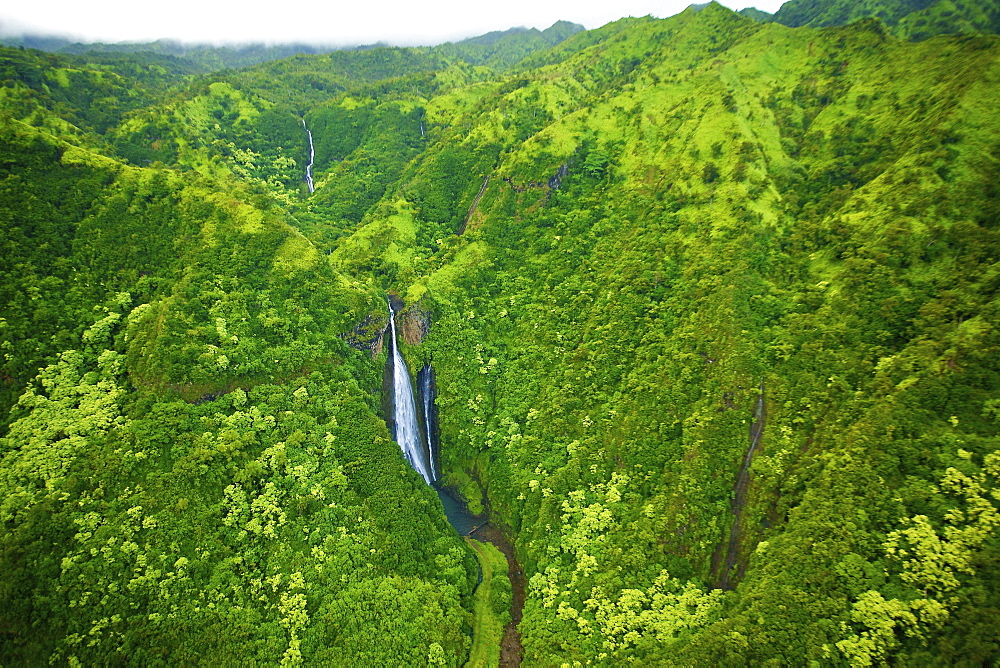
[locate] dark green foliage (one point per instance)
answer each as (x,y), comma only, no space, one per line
(364,150)
(504,49)
(756,14)
(92,94)
(193,58)
(908,19)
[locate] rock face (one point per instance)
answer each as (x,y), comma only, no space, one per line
(414,323)
(557,180)
(368,334)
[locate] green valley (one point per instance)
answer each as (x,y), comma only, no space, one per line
(711,304)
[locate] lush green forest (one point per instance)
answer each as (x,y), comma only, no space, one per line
(711,302)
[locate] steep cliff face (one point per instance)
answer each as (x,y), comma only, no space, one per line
(368,334)
(414,324)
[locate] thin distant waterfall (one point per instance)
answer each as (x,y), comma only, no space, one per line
(405,412)
(312,157)
(731,569)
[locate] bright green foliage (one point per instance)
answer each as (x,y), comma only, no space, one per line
(198,473)
(257,519)
(932,564)
(727,212)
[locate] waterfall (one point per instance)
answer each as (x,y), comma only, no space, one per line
(312,157)
(741,490)
(405,411)
(425,380)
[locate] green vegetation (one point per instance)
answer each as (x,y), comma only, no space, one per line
(198,471)
(491,606)
(626,239)
(504,49)
(907,19)
(197,58)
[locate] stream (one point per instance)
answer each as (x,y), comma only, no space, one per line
(511,651)
(478,527)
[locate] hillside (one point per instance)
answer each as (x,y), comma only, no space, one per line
(711,304)
(907,19)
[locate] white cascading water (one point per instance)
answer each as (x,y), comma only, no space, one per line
(426,380)
(312,157)
(405,411)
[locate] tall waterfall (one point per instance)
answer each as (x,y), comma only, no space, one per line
(405,412)
(312,157)
(425,380)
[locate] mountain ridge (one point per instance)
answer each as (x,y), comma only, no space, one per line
(205,58)
(907,19)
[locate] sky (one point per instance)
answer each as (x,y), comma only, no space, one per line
(330,22)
